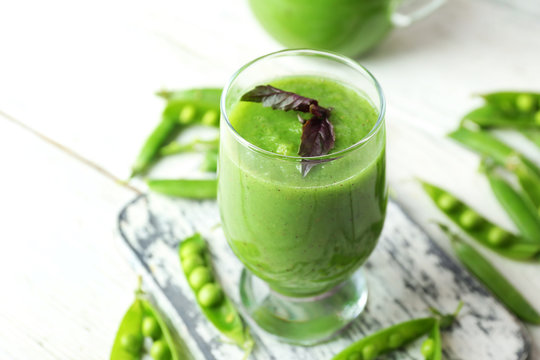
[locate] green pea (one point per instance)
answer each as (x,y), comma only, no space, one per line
(369,352)
(159,350)
(132,343)
(395,340)
(190,263)
(427,348)
(150,327)
(187,114)
(524,102)
(469,219)
(191,248)
(537,117)
(199,276)
(497,236)
(210,118)
(209,295)
(447,202)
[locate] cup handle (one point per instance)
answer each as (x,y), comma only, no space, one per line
(402,18)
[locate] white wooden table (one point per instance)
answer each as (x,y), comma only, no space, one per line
(76,102)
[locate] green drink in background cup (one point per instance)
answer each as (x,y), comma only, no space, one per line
(302,238)
(350,27)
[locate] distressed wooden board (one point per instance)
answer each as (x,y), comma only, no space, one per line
(407,273)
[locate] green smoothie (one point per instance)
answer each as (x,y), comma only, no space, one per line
(349,27)
(303,235)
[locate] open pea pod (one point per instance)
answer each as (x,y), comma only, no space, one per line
(215,305)
(432,348)
(514,102)
(194,106)
(186,107)
(176,349)
(508,109)
(129,341)
(489,116)
(397,336)
(480,229)
(387,340)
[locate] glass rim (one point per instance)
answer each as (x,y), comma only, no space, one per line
(335,56)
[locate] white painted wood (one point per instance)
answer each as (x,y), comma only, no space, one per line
(83,73)
(64,285)
(406,274)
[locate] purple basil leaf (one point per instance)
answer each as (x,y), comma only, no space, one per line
(318,136)
(317,139)
(277,99)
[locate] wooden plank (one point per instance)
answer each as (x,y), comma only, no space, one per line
(65,284)
(406,274)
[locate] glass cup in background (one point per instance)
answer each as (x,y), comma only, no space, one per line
(302,239)
(350,27)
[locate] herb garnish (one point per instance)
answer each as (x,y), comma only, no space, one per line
(318,136)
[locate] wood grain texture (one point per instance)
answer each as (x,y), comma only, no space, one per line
(406,274)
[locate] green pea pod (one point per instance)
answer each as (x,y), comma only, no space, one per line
(514,102)
(486,144)
(432,348)
(191,112)
(508,109)
(490,116)
(175,147)
(130,328)
(177,350)
(183,108)
(492,279)
(396,336)
(128,344)
(186,188)
(210,161)
(379,342)
(484,232)
(520,210)
(530,183)
(533,135)
(165,131)
(220,311)
(527,173)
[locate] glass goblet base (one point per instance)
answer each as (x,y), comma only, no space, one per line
(307,320)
